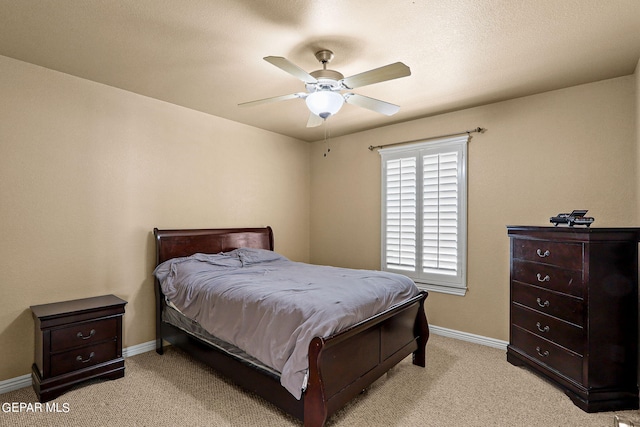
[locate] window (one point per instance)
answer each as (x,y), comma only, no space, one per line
(424,213)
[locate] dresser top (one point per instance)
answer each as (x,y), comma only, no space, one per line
(575,233)
(46,311)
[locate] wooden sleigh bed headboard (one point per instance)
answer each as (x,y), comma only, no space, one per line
(340,365)
(181,243)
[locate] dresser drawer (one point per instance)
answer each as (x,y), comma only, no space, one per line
(83,357)
(565,334)
(563,307)
(552,355)
(549,277)
(86,333)
(566,255)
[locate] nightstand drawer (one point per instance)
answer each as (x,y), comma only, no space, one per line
(552,355)
(83,334)
(549,277)
(563,307)
(565,334)
(554,253)
(80,358)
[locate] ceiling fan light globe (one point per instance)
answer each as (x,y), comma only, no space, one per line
(324,103)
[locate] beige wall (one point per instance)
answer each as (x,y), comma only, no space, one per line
(87,171)
(541,155)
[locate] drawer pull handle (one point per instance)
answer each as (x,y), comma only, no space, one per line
(543,279)
(541,329)
(542,304)
(80,359)
(82,337)
(542,353)
(543,254)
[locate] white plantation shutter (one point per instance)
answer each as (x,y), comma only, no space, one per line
(401,202)
(440,207)
(424,213)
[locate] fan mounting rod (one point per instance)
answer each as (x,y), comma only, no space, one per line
(325,56)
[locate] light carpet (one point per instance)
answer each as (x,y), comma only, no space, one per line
(464,384)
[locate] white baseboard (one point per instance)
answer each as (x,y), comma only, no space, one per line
(15,383)
(25,380)
(465,336)
(139,348)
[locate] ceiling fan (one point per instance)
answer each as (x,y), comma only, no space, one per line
(324,96)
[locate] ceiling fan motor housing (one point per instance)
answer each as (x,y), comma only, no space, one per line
(327,74)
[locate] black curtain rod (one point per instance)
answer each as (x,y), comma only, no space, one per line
(468,132)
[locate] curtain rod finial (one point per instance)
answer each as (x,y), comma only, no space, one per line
(478,129)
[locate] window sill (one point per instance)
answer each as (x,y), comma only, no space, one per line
(451,290)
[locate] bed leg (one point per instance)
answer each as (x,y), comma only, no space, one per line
(421,331)
(159,305)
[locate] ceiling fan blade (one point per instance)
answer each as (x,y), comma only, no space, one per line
(291,68)
(273,99)
(376,105)
(377,75)
(314,120)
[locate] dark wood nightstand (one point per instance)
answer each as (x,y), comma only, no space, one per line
(76,341)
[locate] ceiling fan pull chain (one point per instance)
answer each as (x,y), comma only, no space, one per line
(326,144)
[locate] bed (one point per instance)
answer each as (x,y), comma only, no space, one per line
(340,365)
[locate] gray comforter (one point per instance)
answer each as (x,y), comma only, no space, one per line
(272,307)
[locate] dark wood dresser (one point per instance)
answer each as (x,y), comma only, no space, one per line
(574,311)
(76,341)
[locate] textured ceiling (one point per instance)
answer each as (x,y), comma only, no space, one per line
(207,55)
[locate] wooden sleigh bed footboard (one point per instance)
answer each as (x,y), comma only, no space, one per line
(340,366)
